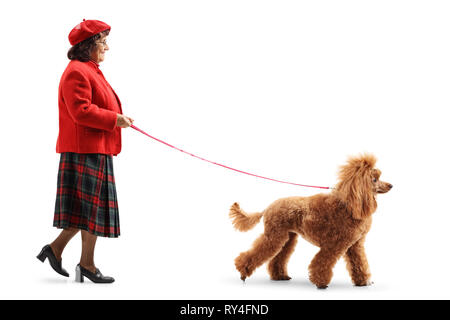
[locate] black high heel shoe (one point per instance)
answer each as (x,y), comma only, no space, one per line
(96,277)
(47,252)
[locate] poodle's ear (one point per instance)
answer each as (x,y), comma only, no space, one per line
(356,186)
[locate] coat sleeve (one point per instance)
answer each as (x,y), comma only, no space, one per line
(77,95)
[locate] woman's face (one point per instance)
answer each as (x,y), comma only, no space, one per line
(98,54)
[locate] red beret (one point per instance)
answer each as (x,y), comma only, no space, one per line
(86,29)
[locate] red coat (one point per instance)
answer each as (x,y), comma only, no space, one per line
(88,108)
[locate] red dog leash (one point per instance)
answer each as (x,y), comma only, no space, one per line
(218,164)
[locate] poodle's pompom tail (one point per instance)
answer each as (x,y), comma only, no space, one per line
(243,221)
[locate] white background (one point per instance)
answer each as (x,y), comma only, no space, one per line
(285,89)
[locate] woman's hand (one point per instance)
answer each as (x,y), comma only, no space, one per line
(123,121)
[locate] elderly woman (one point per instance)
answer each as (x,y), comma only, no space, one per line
(90,122)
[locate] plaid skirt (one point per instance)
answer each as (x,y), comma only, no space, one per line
(86,195)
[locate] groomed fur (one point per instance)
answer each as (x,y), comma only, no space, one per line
(355,185)
(241,220)
(337,223)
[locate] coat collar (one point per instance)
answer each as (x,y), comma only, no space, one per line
(94,64)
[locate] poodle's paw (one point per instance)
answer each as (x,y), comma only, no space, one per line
(364,283)
(242,266)
(320,282)
(280,277)
(321,287)
(244,274)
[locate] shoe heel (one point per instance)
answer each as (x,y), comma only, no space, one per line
(78,276)
(41,256)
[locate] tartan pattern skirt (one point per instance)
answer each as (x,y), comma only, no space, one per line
(86,196)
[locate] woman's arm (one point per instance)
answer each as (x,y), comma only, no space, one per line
(77,95)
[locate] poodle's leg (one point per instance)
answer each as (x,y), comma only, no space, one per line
(321,267)
(278,265)
(357,264)
(264,247)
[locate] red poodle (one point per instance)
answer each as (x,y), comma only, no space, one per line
(336,222)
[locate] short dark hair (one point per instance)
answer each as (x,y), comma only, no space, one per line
(82,50)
